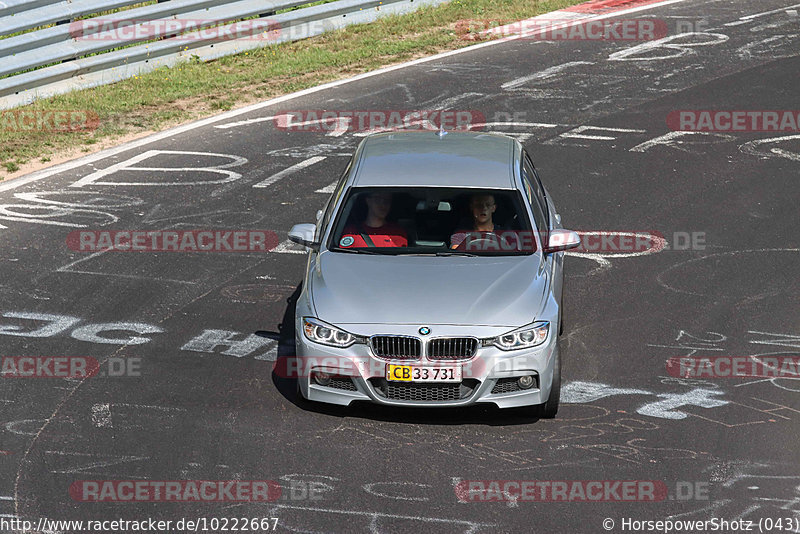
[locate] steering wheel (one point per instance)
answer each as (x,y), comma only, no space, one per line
(490,241)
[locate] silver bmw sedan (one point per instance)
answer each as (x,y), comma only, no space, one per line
(434,278)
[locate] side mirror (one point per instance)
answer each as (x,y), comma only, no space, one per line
(319,215)
(303,234)
(562,240)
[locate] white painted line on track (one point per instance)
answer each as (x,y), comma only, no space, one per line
(289,170)
(245,122)
(577,133)
(289,247)
(328,189)
(543,74)
(342,124)
(787,9)
(128,165)
(269,356)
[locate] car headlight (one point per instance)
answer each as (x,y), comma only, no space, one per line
(325,334)
(521,339)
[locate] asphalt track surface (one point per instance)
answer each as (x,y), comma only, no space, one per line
(196,412)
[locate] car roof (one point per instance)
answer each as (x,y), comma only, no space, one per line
(426,158)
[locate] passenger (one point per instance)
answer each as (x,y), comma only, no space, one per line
(375,230)
(482,208)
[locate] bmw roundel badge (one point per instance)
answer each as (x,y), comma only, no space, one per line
(424,330)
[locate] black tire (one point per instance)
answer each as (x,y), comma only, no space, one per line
(561,314)
(299,400)
(549,409)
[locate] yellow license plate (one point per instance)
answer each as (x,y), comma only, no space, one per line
(413,373)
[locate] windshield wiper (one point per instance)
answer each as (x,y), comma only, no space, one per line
(467,254)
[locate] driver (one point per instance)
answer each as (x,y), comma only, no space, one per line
(375,230)
(482,208)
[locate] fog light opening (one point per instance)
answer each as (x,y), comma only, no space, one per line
(526,382)
(323,379)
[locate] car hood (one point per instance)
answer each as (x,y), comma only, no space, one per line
(491,291)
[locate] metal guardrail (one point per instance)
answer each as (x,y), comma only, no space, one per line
(55,13)
(9,7)
(73,55)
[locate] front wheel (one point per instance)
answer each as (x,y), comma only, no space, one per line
(549,409)
(299,399)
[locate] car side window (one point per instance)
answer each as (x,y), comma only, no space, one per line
(542,193)
(537,204)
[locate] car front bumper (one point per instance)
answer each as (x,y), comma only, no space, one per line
(488,377)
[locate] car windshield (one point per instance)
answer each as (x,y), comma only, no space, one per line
(435,221)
